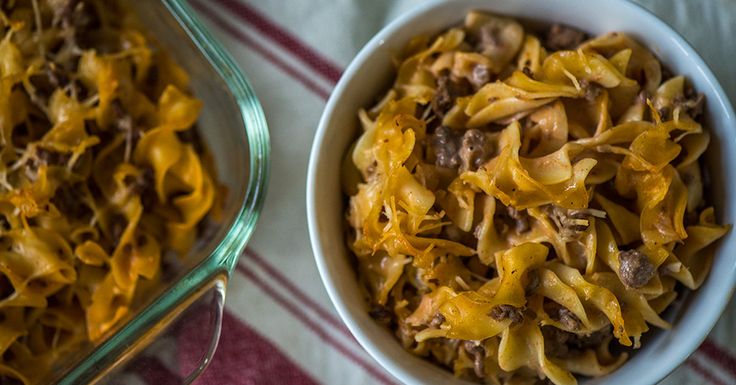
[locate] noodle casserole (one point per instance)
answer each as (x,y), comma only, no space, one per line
(525,202)
(102,176)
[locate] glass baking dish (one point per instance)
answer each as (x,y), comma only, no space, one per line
(233,128)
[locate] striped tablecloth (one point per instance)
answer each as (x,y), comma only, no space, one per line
(280,327)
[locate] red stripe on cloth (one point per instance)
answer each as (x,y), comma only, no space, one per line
(703,372)
(296,292)
(719,355)
(154,372)
(375,372)
(255,46)
(243,357)
(284,38)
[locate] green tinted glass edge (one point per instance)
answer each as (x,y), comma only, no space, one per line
(225,257)
(254,120)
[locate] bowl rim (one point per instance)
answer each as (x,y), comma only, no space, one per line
(339,301)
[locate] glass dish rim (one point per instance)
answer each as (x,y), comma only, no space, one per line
(223,259)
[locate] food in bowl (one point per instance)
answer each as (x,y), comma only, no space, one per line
(516,203)
(102,176)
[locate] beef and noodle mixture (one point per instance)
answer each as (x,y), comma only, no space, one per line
(522,206)
(101,175)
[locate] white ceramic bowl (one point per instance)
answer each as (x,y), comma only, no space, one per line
(369,75)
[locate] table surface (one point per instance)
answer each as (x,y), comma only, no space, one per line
(279,326)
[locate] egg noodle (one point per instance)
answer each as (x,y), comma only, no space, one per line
(100,175)
(517,206)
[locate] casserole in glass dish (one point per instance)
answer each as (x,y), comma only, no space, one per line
(233,128)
